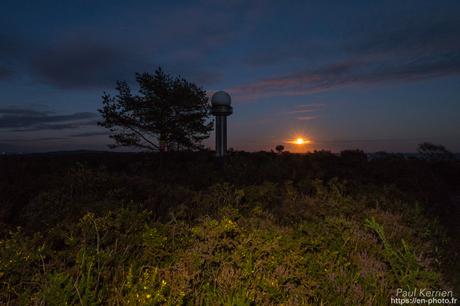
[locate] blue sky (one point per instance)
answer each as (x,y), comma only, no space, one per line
(374,75)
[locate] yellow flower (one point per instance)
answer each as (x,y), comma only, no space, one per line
(163,283)
(149,296)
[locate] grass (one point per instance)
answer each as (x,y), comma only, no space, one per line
(91,240)
(326,249)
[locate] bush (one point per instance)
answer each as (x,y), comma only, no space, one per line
(265,244)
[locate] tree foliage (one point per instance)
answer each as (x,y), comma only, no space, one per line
(429,151)
(279,149)
(167,114)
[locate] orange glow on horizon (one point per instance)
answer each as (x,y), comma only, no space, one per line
(299,141)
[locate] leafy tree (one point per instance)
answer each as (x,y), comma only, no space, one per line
(167,114)
(429,151)
(353,156)
(279,149)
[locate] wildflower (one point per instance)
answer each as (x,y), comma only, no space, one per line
(149,296)
(228,224)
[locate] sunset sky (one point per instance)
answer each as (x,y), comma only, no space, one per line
(373,75)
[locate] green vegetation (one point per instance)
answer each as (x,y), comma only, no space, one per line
(131,233)
(168,114)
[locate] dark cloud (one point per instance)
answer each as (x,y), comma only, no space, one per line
(35,139)
(299,50)
(21,120)
(305,118)
(83,64)
(417,30)
(58,126)
(398,50)
(421,36)
(362,71)
(86,64)
(23,112)
(80,61)
(90,134)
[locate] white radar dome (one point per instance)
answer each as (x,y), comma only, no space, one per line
(221,98)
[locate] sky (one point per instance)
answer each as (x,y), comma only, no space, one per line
(370,75)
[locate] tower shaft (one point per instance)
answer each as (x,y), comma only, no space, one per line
(221,135)
(221,108)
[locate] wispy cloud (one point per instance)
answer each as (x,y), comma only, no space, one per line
(23,120)
(300,111)
(306,108)
(365,71)
(89,134)
(377,140)
(306,112)
(305,118)
(303,112)
(400,51)
(82,63)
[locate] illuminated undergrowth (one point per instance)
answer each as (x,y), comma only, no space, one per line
(300,243)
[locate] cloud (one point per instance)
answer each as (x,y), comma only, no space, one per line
(306,108)
(34,140)
(87,60)
(179,40)
(23,112)
(83,63)
(424,35)
(377,140)
(399,50)
(57,126)
(301,111)
(363,71)
(22,120)
(304,118)
(90,134)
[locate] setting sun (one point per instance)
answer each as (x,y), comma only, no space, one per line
(299,141)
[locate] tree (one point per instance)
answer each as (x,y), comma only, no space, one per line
(279,149)
(429,151)
(167,114)
(353,156)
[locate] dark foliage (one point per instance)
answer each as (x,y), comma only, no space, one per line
(264,228)
(279,148)
(168,114)
(432,152)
